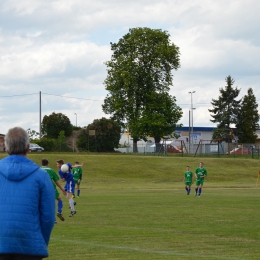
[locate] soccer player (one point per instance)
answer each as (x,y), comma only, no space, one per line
(59,164)
(77,171)
(70,186)
(201,174)
(188,179)
(55,180)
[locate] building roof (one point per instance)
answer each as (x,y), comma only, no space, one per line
(186,128)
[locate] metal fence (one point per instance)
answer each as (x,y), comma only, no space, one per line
(203,147)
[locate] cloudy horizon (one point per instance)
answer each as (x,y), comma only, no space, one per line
(59,48)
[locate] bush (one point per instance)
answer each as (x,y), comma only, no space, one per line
(47,143)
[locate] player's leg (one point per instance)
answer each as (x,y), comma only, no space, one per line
(200,188)
(70,191)
(189,188)
(197,187)
(60,206)
(78,189)
(186,188)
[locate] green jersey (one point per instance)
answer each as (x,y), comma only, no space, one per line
(54,177)
(201,172)
(77,173)
(188,176)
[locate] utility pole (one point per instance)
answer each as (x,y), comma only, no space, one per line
(40,115)
(191,92)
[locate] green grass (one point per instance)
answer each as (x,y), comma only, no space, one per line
(135,207)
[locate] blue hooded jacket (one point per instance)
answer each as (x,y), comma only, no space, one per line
(27,207)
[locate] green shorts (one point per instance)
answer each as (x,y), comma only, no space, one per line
(188,183)
(199,182)
(77,182)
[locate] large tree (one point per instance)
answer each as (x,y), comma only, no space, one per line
(105,138)
(248,119)
(53,124)
(225,110)
(160,120)
(141,67)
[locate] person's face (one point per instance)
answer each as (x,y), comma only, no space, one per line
(187,168)
(58,165)
(201,165)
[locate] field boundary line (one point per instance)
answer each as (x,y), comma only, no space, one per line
(141,250)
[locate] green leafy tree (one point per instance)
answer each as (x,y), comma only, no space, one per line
(47,143)
(248,119)
(160,120)
(82,140)
(33,134)
(61,138)
(106,138)
(54,123)
(225,110)
(141,66)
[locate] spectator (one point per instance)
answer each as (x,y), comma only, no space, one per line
(27,202)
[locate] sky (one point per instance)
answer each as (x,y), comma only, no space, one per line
(54,52)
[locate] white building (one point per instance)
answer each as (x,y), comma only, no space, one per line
(201,136)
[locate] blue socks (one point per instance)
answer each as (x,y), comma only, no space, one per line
(60,206)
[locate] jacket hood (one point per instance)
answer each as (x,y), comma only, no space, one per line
(17,167)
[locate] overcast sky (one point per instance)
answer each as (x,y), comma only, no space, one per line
(59,48)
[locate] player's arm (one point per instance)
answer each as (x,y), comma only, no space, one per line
(204,174)
(61,188)
(77,165)
(61,175)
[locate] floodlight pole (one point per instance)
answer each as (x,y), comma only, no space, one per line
(189,132)
(191,92)
(40,115)
(76,118)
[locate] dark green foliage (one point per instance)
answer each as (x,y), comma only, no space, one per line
(54,123)
(248,119)
(106,138)
(53,145)
(82,141)
(160,120)
(46,143)
(140,69)
(225,110)
(76,128)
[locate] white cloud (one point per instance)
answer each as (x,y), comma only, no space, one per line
(59,48)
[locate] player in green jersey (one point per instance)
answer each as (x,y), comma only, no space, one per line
(77,171)
(201,174)
(188,179)
(55,180)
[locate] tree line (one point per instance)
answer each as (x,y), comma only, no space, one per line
(237,120)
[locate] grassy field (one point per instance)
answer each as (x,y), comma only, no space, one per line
(135,207)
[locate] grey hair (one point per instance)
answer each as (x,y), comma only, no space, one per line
(16,141)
